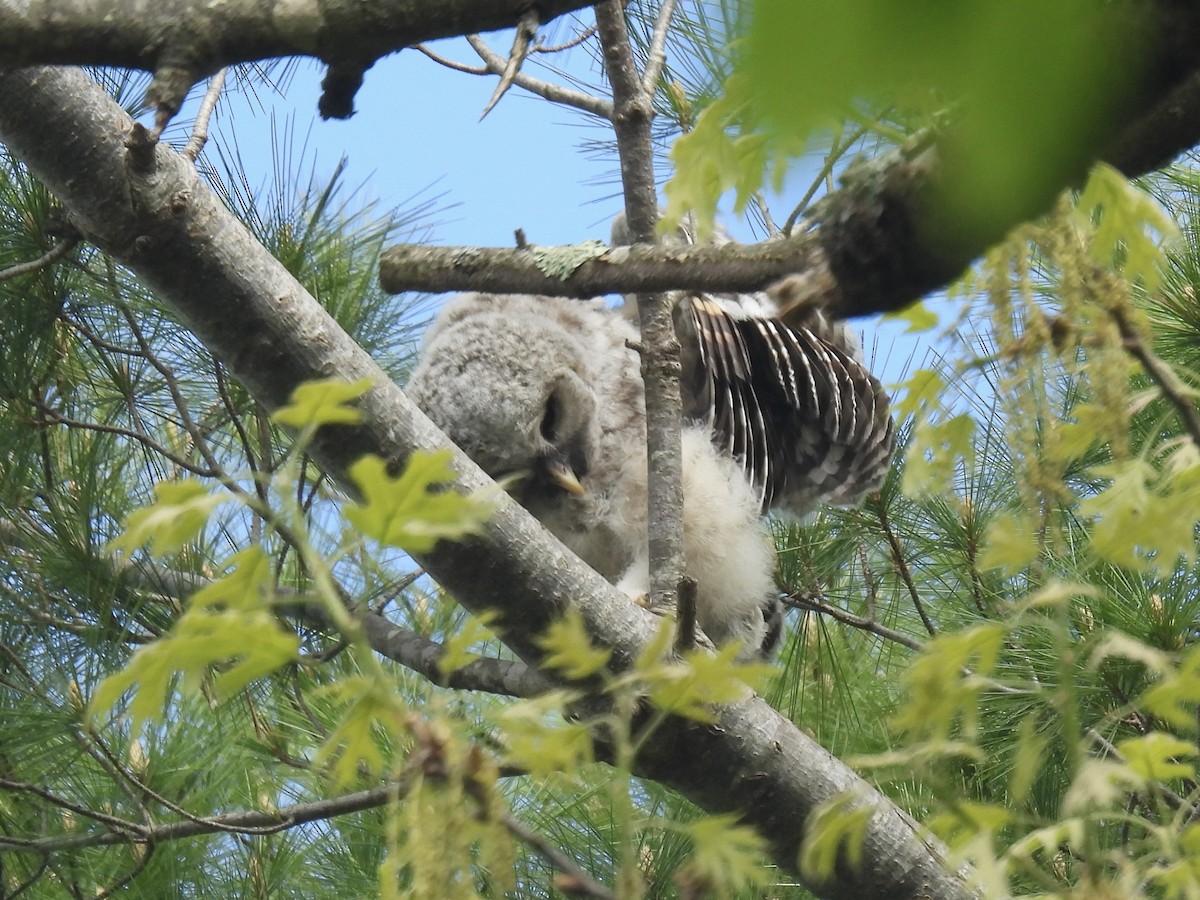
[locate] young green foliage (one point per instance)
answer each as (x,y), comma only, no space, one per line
(457,648)
(836,831)
(368,711)
(211,633)
(415,509)
(175,519)
(726,857)
(569,648)
(326,402)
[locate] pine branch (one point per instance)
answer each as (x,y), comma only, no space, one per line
(247,821)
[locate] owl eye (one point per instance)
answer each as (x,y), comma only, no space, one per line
(550,418)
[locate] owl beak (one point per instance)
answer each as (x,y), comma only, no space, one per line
(559,473)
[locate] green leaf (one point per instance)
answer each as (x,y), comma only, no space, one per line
(707,162)
(836,827)
(370,704)
(1155,756)
(211,632)
(1030,82)
(245,585)
(1092,423)
(1175,697)
(1010,543)
(701,681)
(726,857)
(1069,832)
(1029,760)
(938,451)
(940,692)
(325,402)
(1141,520)
(201,638)
(1100,785)
(416,509)
(569,648)
(656,649)
(967,820)
(919,316)
(174,520)
(456,651)
(924,387)
(1131,228)
(1125,647)
(537,738)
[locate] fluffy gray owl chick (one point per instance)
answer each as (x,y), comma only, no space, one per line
(547,388)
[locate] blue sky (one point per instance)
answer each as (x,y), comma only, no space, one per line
(417,132)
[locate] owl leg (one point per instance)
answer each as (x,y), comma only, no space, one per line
(727,551)
(635,583)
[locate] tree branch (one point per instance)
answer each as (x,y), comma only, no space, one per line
(660,363)
(816,602)
(182,41)
(1172,386)
(880,242)
(494,64)
(153,214)
(287,817)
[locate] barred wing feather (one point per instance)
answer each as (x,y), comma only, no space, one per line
(801,413)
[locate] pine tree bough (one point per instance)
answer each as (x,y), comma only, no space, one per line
(167,228)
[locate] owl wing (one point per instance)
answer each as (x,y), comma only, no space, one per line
(794,405)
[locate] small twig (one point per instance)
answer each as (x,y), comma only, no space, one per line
(1172,798)
(199,438)
(200,128)
(869,580)
(147,851)
(573,42)
(53,417)
(55,253)
(660,363)
(451,63)
(816,602)
(239,427)
(30,881)
(836,150)
(902,565)
(246,820)
(656,56)
(574,880)
(1160,373)
(972,567)
(527,28)
(555,93)
(120,828)
(685,615)
(146,792)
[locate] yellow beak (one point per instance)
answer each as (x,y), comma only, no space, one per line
(562,475)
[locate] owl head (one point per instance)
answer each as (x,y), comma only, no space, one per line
(511,387)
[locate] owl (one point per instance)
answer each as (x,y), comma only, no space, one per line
(547,392)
